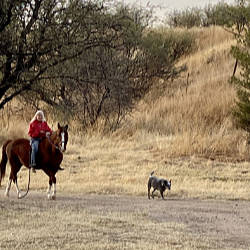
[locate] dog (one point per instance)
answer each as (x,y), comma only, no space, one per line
(157,184)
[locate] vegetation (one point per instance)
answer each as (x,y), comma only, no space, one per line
(182,128)
(100,64)
(240,28)
(199,17)
(221,14)
(135,74)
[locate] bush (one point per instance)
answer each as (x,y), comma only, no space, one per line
(218,14)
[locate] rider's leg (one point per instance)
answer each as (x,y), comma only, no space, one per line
(34,150)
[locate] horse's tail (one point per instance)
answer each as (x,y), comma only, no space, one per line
(3,161)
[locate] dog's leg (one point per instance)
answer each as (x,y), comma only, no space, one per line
(149,187)
(153,193)
(162,195)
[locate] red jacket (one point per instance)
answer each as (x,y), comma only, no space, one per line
(38,129)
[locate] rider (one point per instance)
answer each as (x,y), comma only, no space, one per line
(38,129)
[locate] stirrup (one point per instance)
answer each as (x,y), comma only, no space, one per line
(32,166)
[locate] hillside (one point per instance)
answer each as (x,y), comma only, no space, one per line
(182,131)
(193,114)
(190,116)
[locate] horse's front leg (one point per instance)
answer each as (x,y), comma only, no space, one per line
(52,188)
(49,188)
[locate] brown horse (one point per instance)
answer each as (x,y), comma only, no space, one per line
(49,158)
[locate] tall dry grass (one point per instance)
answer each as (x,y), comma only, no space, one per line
(197,118)
(171,134)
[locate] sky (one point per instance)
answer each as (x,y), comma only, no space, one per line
(164,6)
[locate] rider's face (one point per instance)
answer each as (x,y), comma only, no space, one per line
(39,117)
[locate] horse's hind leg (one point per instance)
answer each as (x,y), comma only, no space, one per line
(8,187)
(15,167)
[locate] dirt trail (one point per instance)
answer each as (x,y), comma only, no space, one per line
(224,221)
(227,222)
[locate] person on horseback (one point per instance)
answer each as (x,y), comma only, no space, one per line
(38,129)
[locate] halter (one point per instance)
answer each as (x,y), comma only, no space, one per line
(49,139)
(61,145)
(62,142)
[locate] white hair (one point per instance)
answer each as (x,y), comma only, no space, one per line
(38,112)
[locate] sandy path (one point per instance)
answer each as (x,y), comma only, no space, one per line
(227,222)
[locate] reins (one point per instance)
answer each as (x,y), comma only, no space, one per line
(28,187)
(49,139)
(20,197)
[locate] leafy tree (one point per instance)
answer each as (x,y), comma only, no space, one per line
(191,17)
(242,56)
(237,20)
(221,14)
(242,110)
(217,14)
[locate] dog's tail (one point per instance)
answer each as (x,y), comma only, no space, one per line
(149,183)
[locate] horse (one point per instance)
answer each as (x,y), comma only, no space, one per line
(49,158)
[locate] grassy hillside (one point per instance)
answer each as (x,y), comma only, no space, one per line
(196,118)
(192,115)
(183,130)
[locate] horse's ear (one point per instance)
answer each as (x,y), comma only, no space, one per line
(58,125)
(66,127)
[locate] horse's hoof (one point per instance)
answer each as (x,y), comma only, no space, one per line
(51,197)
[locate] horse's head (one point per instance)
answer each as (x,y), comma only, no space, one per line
(60,138)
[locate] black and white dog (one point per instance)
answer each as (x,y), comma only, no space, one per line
(158,184)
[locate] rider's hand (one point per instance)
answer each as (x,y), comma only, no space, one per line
(47,134)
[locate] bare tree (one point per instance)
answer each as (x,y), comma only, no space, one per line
(83,58)
(36,36)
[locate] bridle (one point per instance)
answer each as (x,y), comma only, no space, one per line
(62,142)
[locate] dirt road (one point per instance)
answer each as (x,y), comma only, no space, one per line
(225,222)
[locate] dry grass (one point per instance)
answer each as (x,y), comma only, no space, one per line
(178,136)
(111,166)
(197,118)
(182,136)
